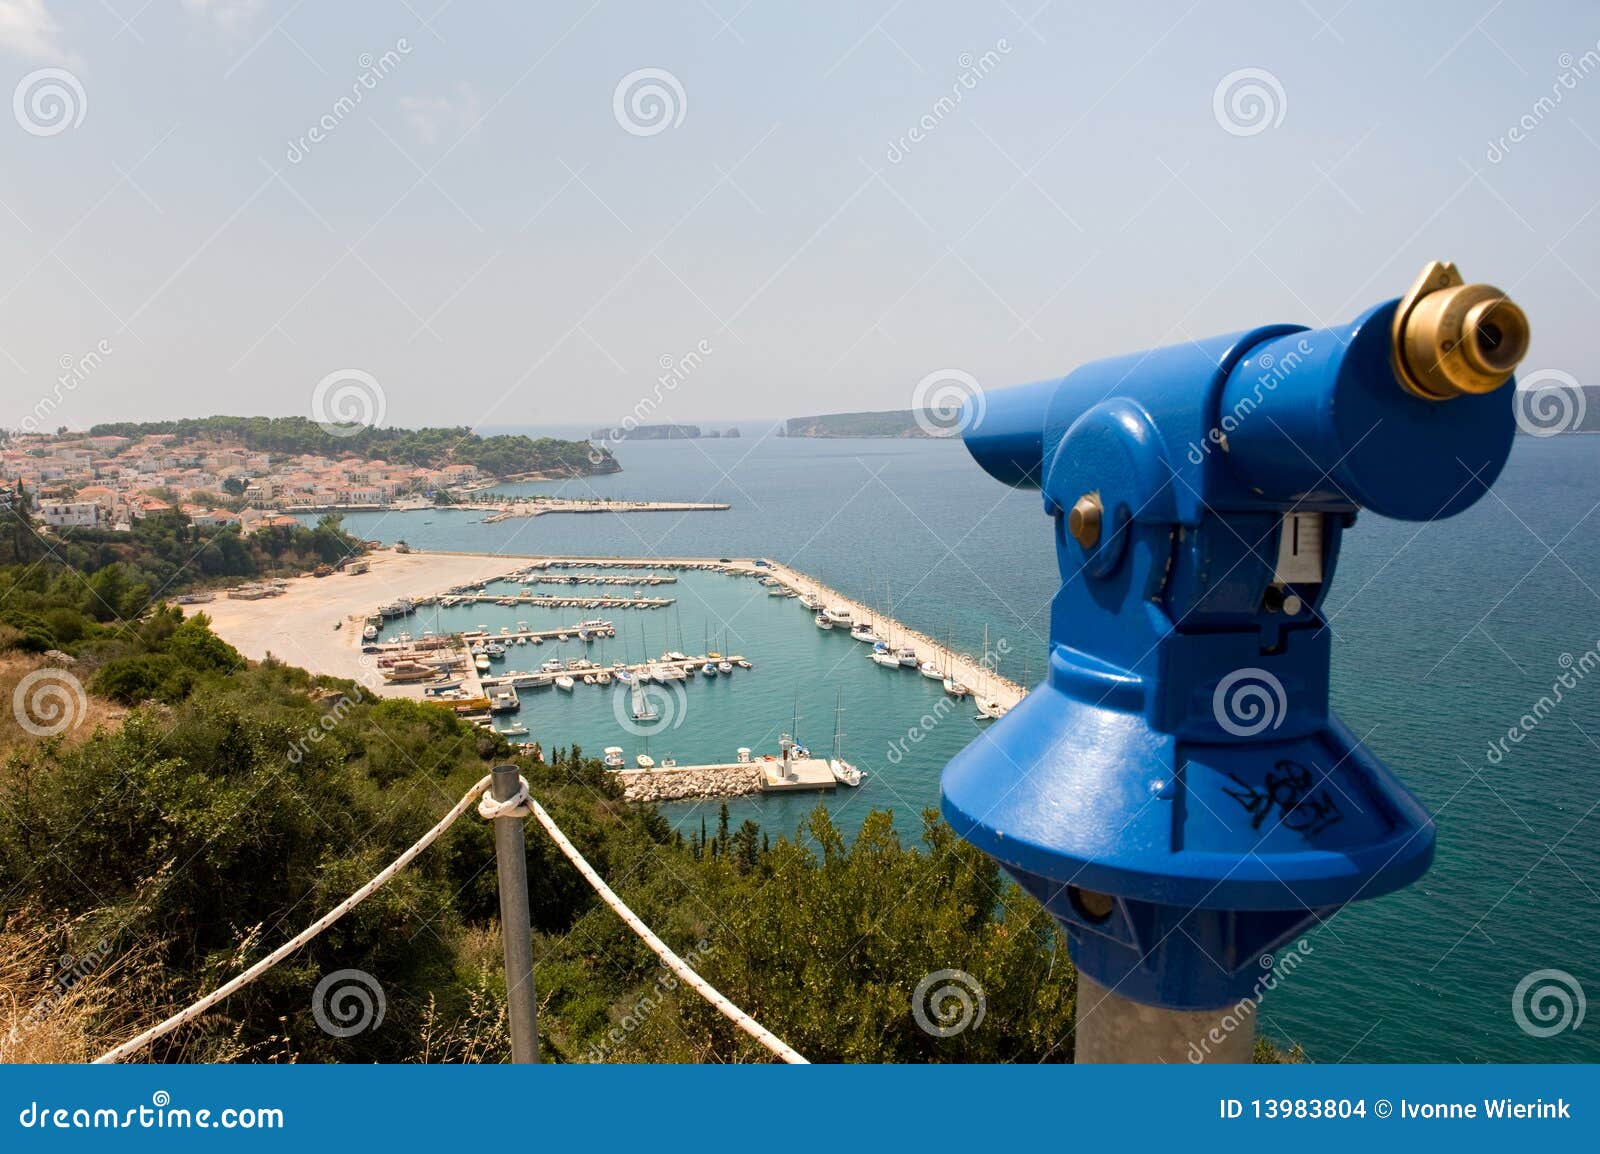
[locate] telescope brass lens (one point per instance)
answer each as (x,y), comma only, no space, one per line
(1453,339)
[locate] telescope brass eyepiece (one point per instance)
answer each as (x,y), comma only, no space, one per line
(1452,339)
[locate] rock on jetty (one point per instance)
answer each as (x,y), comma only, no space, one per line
(693,781)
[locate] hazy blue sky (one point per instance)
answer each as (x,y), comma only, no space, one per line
(484,236)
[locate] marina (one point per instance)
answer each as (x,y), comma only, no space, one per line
(552,680)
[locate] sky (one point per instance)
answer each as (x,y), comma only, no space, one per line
(430,212)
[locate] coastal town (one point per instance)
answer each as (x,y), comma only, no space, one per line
(84,481)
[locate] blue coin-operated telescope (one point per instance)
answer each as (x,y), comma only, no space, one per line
(1176,792)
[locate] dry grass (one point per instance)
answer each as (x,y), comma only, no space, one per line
(56,697)
(67,993)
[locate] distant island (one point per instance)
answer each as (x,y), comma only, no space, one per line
(658,433)
(888,423)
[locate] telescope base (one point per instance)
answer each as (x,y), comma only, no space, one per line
(1113,1029)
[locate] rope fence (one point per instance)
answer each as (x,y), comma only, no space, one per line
(517,807)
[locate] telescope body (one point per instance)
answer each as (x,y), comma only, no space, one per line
(1176,792)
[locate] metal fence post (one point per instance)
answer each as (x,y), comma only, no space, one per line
(511,860)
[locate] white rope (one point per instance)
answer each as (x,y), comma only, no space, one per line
(134,1045)
(518,805)
(673,962)
(514,806)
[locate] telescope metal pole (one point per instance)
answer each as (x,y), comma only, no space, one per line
(511,861)
(1113,1029)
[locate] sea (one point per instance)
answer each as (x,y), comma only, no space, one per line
(1447,635)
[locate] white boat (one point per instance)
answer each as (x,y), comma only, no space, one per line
(516,729)
(552,666)
(989,710)
(645,761)
(565,683)
(743,754)
(838,614)
(862,631)
(370,632)
(844,773)
(907,656)
(522,640)
(709,669)
(955,689)
(807,601)
(603,677)
(931,671)
(481,663)
(642,707)
(884,658)
(823,622)
(724,667)
(588,679)
(504,700)
(613,757)
(669,763)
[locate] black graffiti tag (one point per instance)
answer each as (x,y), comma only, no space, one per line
(1290,791)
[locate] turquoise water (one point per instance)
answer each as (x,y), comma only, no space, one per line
(1446,634)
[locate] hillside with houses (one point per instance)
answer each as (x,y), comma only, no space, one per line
(111,479)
